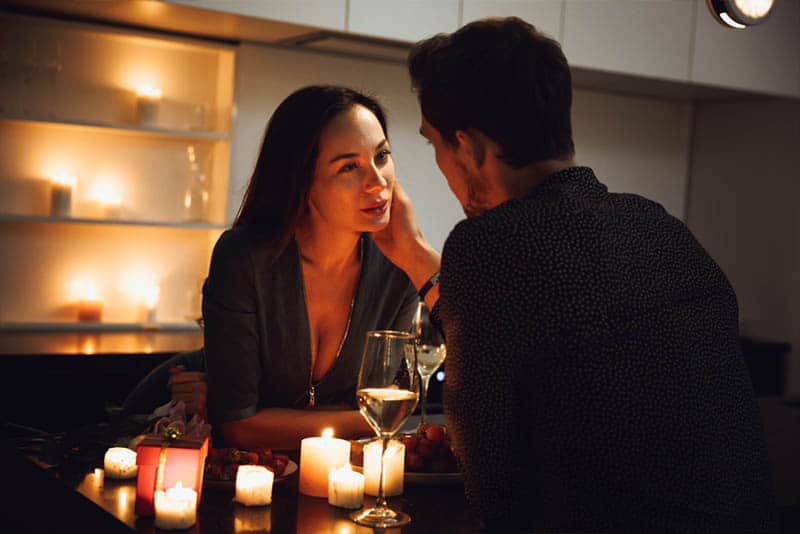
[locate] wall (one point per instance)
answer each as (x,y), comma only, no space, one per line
(743,209)
(635,144)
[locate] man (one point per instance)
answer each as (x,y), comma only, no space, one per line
(594,376)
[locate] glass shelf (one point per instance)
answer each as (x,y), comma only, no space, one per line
(99,327)
(122,128)
(120,222)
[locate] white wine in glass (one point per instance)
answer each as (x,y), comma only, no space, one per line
(431,352)
(387,393)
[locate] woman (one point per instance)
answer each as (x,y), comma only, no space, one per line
(297,282)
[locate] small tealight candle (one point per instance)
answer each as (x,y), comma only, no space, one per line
(147,101)
(176,508)
(90,309)
(393,467)
(120,463)
(254,485)
(345,488)
(150,302)
(317,457)
(61,187)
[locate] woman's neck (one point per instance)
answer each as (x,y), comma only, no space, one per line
(328,251)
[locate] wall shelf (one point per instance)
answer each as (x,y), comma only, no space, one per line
(100,327)
(132,129)
(11,218)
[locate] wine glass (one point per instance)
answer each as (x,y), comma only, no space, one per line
(431,352)
(387,393)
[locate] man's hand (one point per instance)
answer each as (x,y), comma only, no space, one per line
(190,387)
(402,241)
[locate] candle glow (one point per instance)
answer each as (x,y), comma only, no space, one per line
(254,485)
(318,455)
(120,463)
(345,488)
(176,508)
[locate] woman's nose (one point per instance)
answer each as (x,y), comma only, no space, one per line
(375,181)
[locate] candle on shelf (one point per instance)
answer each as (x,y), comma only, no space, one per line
(148,99)
(345,488)
(393,467)
(98,476)
(61,187)
(106,200)
(317,457)
(254,485)
(150,302)
(176,508)
(90,304)
(119,463)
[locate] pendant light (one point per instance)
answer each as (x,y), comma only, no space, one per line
(740,14)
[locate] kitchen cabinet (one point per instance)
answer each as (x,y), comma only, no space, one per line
(133,128)
(409,20)
(327,14)
(545,15)
(650,38)
(764,58)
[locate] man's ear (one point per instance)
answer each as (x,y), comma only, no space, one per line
(472,146)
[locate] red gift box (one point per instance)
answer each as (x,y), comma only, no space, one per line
(183,460)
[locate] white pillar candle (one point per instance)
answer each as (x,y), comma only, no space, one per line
(147,102)
(345,488)
(176,508)
(393,467)
(254,485)
(61,187)
(120,463)
(317,457)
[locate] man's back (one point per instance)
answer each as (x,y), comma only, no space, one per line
(596,379)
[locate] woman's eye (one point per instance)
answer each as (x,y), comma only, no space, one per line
(383,155)
(347,167)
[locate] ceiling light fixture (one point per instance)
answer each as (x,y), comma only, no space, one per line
(740,14)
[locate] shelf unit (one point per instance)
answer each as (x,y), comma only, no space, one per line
(71,105)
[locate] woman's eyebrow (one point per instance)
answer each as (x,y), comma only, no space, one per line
(353,154)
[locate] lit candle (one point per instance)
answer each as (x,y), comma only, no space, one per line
(120,463)
(98,476)
(147,101)
(61,187)
(317,457)
(393,467)
(176,508)
(107,199)
(345,488)
(254,485)
(90,304)
(150,302)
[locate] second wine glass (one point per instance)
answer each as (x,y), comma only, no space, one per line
(431,352)
(387,393)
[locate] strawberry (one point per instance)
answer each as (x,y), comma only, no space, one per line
(434,433)
(414,462)
(248,458)
(426,448)
(410,441)
(265,456)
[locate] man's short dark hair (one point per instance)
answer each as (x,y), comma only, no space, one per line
(503,78)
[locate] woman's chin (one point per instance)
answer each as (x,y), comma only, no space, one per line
(376,225)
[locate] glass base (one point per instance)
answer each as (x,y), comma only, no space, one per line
(380,518)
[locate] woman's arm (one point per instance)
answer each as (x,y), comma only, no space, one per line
(403,243)
(283,428)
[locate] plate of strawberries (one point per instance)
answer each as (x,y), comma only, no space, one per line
(223,463)
(428,459)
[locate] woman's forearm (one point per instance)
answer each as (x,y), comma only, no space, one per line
(283,428)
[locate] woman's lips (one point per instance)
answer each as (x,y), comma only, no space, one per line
(376,208)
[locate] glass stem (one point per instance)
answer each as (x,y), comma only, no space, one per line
(380,502)
(424,412)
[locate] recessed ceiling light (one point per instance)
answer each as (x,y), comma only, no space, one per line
(740,14)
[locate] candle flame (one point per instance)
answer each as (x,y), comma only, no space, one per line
(148,91)
(64,178)
(327,433)
(178,485)
(106,193)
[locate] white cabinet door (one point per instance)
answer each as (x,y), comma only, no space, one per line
(642,37)
(405,20)
(764,58)
(546,15)
(328,14)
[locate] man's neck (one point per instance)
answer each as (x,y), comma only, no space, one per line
(511,183)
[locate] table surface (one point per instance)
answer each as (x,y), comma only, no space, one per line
(433,507)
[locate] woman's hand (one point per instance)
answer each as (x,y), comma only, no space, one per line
(190,387)
(402,242)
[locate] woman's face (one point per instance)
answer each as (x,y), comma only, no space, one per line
(354,177)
